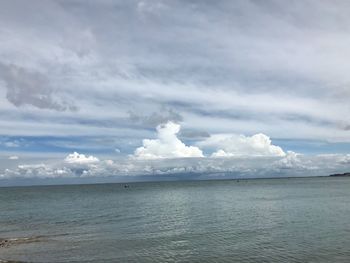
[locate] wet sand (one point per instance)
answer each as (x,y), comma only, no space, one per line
(10,261)
(8,242)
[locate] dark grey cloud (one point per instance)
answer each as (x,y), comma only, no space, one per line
(347,127)
(25,87)
(227,67)
(193,134)
(155,118)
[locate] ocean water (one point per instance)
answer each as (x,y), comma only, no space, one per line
(272,220)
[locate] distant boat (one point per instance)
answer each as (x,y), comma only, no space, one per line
(126,186)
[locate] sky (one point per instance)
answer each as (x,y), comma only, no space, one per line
(119,90)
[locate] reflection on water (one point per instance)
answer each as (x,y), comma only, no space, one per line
(279,220)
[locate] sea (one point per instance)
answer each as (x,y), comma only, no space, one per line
(258,220)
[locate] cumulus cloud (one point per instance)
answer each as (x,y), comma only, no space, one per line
(292,160)
(344,159)
(230,145)
(77,158)
(167,145)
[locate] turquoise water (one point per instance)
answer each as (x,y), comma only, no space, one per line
(276,220)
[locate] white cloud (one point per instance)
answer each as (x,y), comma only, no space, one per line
(229,145)
(13,144)
(344,159)
(76,158)
(167,145)
(14,157)
(292,160)
(35,171)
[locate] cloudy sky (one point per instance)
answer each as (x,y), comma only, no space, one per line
(181,89)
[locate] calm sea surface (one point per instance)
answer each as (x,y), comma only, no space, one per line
(276,220)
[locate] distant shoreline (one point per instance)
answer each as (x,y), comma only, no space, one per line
(122,183)
(165,180)
(343,174)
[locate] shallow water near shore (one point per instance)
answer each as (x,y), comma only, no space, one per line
(265,220)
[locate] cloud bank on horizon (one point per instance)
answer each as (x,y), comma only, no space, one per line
(246,80)
(290,165)
(235,156)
